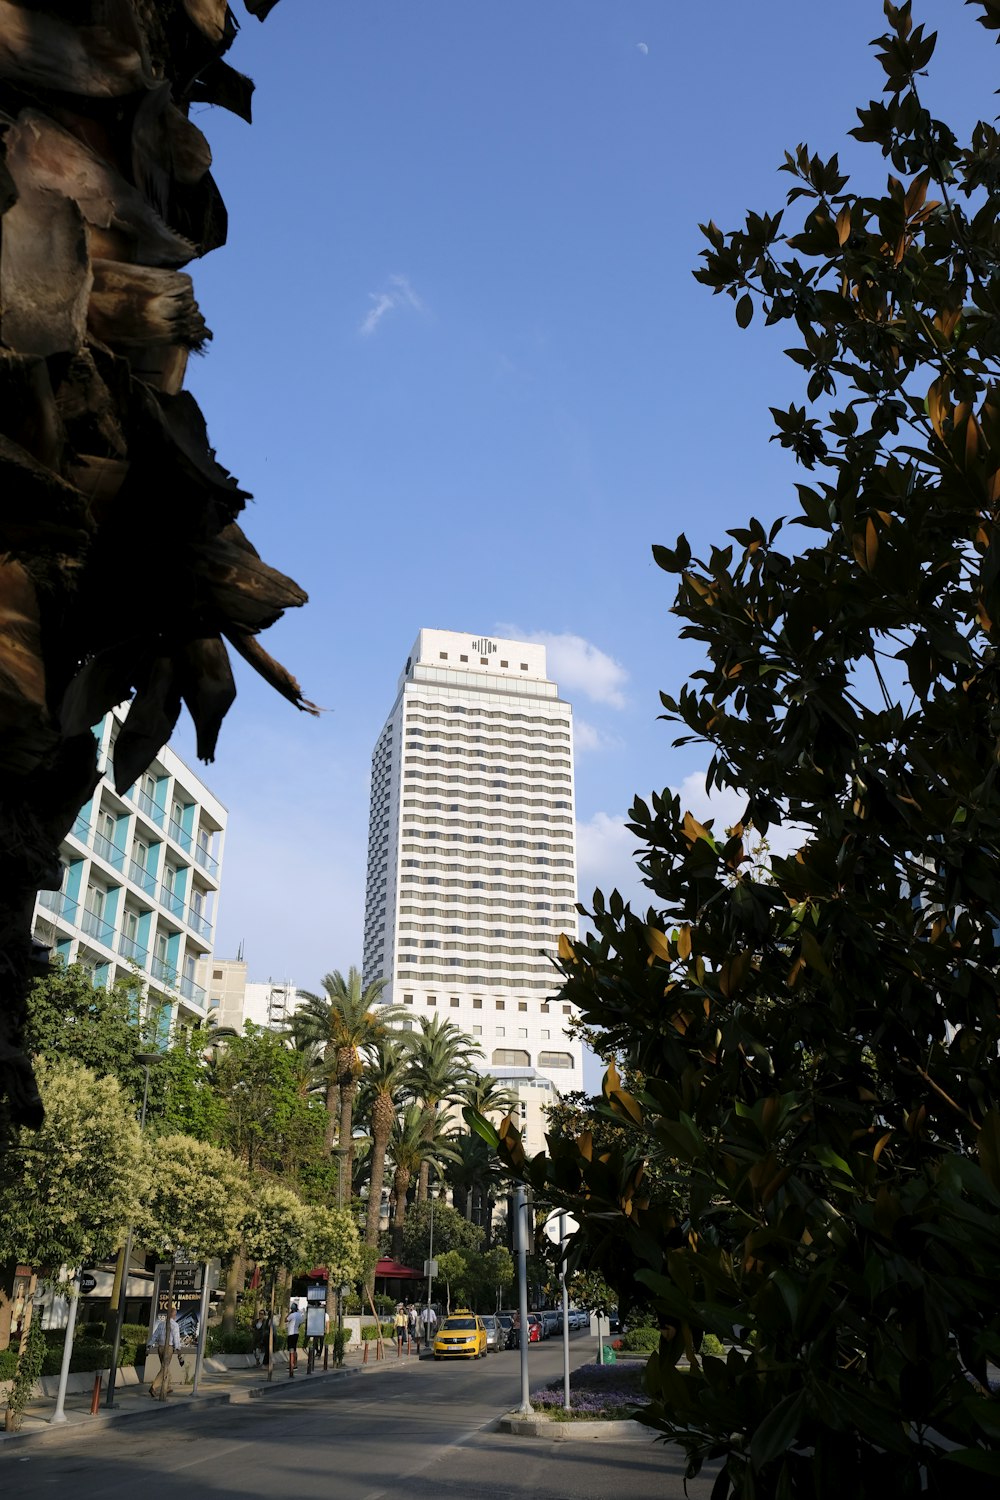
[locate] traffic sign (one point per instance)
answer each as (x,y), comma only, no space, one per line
(559,1226)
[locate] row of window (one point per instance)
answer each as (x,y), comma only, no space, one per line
(469,928)
(491,966)
(484,946)
(497,982)
(515,859)
(422,712)
(558,782)
(496,903)
(509,739)
(519,802)
(477,1004)
(565,882)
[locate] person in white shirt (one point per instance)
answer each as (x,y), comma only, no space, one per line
(293,1323)
(428,1318)
(166,1341)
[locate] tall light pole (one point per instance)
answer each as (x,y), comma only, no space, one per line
(521,1248)
(148,1060)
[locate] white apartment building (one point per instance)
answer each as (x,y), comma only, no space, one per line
(233,1000)
(141,882)
(472,850)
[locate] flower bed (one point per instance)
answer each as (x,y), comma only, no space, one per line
(608,1392)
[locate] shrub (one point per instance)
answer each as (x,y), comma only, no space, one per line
(339,1339)
(8,1364)
(641,1340)
(28,1368)
(88,1354)
(370,1331)
(713,1347)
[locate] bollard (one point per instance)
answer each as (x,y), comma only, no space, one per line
(365,1360)
(326,1357)
(95,1399)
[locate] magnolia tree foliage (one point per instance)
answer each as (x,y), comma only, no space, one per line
(335,1243)
(278,1229)
(195,1199)
(819,1050)
(68,1190)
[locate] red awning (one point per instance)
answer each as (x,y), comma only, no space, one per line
(390,1270)
(393,1271)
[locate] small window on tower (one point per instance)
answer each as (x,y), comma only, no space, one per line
(477,1004)
(505,663)
(454,1002)
(524,666)
(501,1005)
(522,1005)
(463,658)
(442,656)
(432,999)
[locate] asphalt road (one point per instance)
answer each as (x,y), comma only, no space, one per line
(413,1430)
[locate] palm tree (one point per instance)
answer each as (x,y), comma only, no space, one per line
(415,1141)
(442,1067)
(386,1067)
(346,1019)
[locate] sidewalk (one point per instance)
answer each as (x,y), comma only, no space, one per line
(217,1386)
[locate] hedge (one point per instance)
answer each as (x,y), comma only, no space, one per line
(370,1331)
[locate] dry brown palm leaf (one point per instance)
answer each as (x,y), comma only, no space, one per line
(251,650)
(245,593)
(144,305)
(207,688)
(25,732)
(149,722)
(41,50)
(45,272)
(222,85)
(213,19)
(28,411)
(52,160)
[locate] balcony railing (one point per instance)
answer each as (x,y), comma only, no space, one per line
(81,830)
(109,851)
(162,971)
(179,835)
(192,991)
(206,861)
(129,948)
(199,923)
(173,903)
(96,927)
(55,901)
(152,809)
(143,878)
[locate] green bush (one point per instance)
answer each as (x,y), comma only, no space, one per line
(93,1331)
(640,1340)
(370,1331)
(28,1369)
(88,1354)
(8,1364)
(240,1342)
(713,1347)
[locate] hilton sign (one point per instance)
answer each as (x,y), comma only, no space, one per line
(483,647)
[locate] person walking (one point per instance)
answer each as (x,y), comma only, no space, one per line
(413,1325)
(428,1319)
(293,1323)
(399,1326)
(166,1341)
(260,1349)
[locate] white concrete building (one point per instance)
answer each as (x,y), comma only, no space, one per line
(233,999)
(472,850)
(141,882)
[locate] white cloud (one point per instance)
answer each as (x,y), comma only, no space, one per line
(605,855)
(642,47)
(587,738)
(578,665)
(398,293)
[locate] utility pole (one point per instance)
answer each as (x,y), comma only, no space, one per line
(521,1245)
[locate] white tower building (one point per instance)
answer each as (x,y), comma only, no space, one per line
(472,851)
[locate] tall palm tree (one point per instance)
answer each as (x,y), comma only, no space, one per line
(345,1019)
(443,1065)
(386,1068)
(415,1141)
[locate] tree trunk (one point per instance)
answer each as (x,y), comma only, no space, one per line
(400,1186)
(423,1181)
(332,1110)
(347,1093)
(235,1282)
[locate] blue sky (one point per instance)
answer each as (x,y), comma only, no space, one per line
(460,360)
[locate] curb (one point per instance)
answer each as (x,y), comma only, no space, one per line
(618,1431)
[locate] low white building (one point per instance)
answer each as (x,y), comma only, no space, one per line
(141,882)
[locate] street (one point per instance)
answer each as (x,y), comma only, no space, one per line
(418,1430)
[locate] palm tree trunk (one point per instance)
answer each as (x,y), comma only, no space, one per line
(400,1186)
(423,1181)
(347,1093)
(235,1282)
(332,1110)
(380,1143)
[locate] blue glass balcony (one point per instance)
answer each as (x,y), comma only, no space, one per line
(206,861)
(129,948)
(81,830)
(192,991)
(152,809)
(55,901)
(200,923)
(164,973)
(179,835)
(173,903)
(96,927)
(143,878)
(108,851)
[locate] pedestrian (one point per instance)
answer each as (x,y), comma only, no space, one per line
(429,1320)
(293,1323)
(399,1326)
(413,1325)
(261,1353)
(166,1340)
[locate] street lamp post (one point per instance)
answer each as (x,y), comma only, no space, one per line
(148,1060)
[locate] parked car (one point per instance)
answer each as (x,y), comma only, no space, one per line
(537,1328)
(496,1333)
(579,1317)
(552,1321)
(462,1336)
(506,1321)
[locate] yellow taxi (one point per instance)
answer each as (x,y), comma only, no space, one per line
(460,1336)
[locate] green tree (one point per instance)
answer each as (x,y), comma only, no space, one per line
(102,1028)
(335,1244)
(412,1141)
(822,1048)
(452,1267)
(452,1231)
(346,1019)
(195,1201)
(384,1080)
(442,1069)
(278,1231)
(68,1190)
